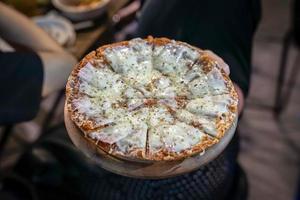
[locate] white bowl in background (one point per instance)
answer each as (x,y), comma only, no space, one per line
(58,27)
(83,12)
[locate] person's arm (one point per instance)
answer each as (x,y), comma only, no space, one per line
(241,98)
(57,63)
(17,28)
(57,68)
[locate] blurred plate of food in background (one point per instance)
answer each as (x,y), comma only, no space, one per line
(81,10)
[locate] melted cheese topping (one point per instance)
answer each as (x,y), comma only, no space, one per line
(174,138)
(97,82)
(94,109)
(173,59)
(133,61)
(137,97)
(114,133)
(135,140)
(210,105)
(205,123)
(202,84)
(159,116)
(163,88)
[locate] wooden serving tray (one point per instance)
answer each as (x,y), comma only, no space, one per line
(146,170)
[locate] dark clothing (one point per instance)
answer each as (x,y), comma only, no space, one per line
(21,81)
(296,21)
(225,27)
(210,182)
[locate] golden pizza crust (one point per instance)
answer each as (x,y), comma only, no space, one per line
(164,155)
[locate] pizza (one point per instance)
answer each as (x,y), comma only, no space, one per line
(151,99)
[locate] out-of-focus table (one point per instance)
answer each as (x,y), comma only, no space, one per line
(86,39)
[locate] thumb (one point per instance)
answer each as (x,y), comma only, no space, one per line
(220,62)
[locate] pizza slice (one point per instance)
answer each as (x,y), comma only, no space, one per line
(172,58)
(176,141)
(132,60)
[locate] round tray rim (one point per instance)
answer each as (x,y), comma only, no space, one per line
(144,170)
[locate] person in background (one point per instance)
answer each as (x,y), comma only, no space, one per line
(38,67)
(226,28)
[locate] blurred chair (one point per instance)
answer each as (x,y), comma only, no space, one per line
(283,94)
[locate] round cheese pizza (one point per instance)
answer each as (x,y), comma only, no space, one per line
(151,99)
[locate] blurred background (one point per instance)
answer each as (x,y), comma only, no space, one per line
(270,136)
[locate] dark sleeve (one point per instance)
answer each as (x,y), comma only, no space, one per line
(21,81)
(224,26)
